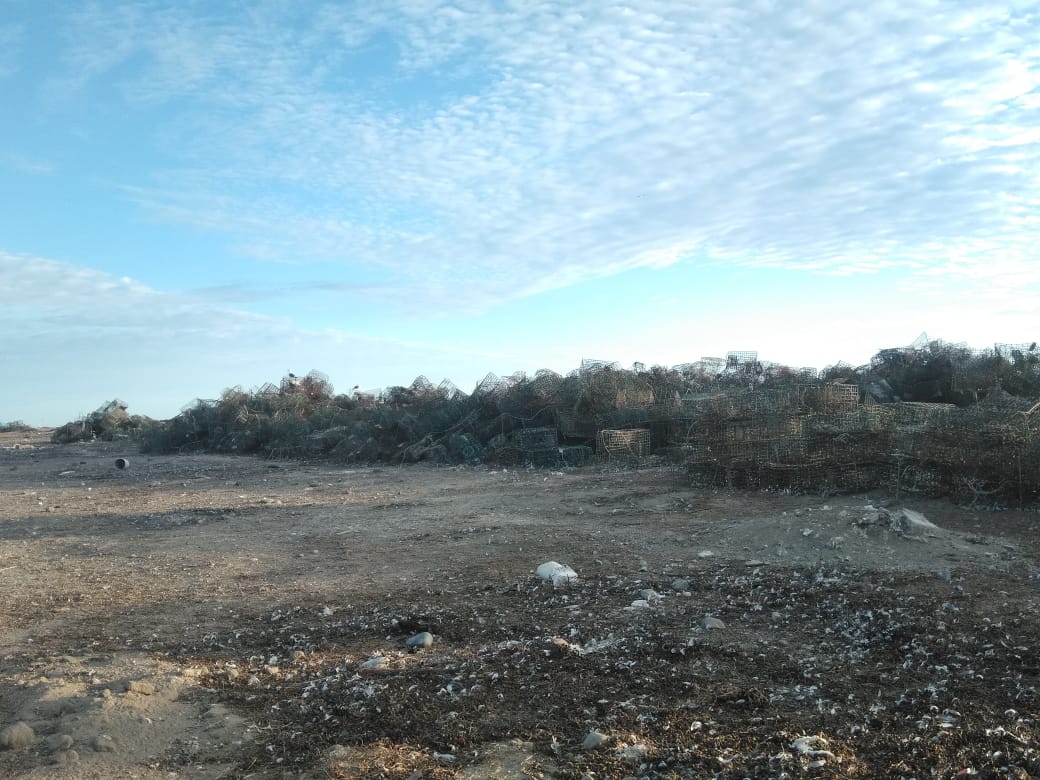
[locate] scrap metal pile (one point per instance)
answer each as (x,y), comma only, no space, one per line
(814,438)
(932,418)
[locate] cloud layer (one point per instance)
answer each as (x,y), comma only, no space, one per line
(493,150)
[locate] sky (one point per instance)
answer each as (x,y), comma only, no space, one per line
(202,195)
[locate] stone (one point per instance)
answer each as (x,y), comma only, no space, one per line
(711,623)
(908,522)
(680,584)
(420,641)
(17,735)
(104,744)
(375,662)
(593,740)
(557,573)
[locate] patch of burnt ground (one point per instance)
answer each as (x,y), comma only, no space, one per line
(814,672)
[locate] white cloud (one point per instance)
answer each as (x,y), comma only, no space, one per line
(553,144)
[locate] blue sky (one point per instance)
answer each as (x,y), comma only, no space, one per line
(199,195)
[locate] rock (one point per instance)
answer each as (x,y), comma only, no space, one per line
(754,562)
(66,757)
(680,584)
(633,754)
(104,744)
(593,740)
(557,573)
(420,641)
(650,595)
(711,623)
(17,735)
(908,523)
(705,554)
(140,686)
(376,662)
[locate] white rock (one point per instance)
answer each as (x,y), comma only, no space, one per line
(375,662)
(907,521)
(593,740)
(711,623)
(422,640)
(557,573)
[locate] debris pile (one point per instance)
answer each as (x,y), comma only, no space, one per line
(108,422)
(932,418)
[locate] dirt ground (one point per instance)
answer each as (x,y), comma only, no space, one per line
(222,617)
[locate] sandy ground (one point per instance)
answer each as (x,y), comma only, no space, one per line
(219,617)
